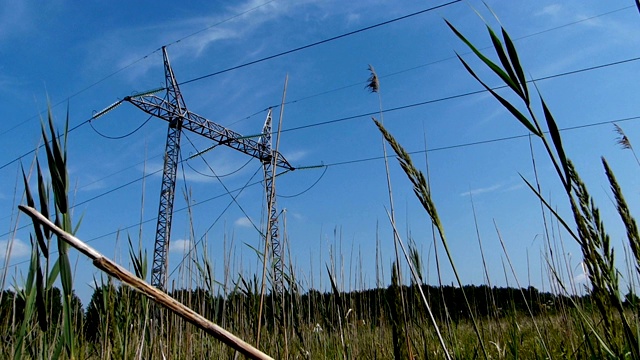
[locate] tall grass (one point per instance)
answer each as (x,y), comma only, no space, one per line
(589,230)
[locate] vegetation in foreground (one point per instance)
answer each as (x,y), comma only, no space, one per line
(401,321)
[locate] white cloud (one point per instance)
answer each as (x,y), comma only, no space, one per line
(93,183)
(243,222)
(125,46)
(295,155)
(353,19)
(295,215)
(482,190)
(550,10)
(515,187)
(180,246)
(19,249)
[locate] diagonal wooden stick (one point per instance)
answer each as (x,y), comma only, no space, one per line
(151,292)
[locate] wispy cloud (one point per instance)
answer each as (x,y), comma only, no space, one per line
(180,246)
(295,156)
(195,35)
(243,222)
(550,10)
(483,190)
(92,183)
(19,249)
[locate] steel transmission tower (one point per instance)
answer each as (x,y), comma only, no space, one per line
(272,234)
(173,109)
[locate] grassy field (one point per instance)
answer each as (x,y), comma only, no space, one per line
(407,319)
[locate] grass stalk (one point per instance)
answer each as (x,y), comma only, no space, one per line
(374,86)
(151,292)
(423,194)
(416,279)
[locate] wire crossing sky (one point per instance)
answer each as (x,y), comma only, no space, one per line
(232,59)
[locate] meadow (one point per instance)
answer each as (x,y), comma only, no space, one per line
(42,318)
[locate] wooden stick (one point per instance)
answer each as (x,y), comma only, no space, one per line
(151,292)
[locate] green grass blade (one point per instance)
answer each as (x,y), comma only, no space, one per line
(515,62)
(40,293)
(584,317)
(29,300)
(496,69)
(36,227)
(58,186)
(553,211)
(557,142)
(44,201)
(512,109)
(53,274)
(506,64)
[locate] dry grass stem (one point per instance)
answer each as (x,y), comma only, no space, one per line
(151,292)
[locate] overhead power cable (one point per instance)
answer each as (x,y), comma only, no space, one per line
(120,136)
(572,72)
(339,163)
(319,42)
(215,221)
(402,71)
(355,161)
(457,96)
(324,171)
(260,60)
(223,185)
(115,232)
(218,176)
(482,142)
(66,100)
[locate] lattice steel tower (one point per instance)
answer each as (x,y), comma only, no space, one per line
(173,109)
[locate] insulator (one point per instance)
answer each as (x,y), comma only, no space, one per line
(150,92)
(106,110)
(248,137)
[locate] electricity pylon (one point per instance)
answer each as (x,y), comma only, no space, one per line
(173,110)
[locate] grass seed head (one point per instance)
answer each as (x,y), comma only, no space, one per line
(622,140)
(373,84)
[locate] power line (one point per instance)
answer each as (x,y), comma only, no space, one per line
(352,117)
(219,23)
(615,63)
(223,185)
(457,96)
(133,63)
(329,91)
(319,42)
(142,222)
(371,113)
(483,142)
(215,221)
(339,163)
(360,83)
(324,171)
(239,66)
(218,176)
(120,136)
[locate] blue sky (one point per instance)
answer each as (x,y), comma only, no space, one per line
(91,54)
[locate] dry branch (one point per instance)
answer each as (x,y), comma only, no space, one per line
(154,294)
